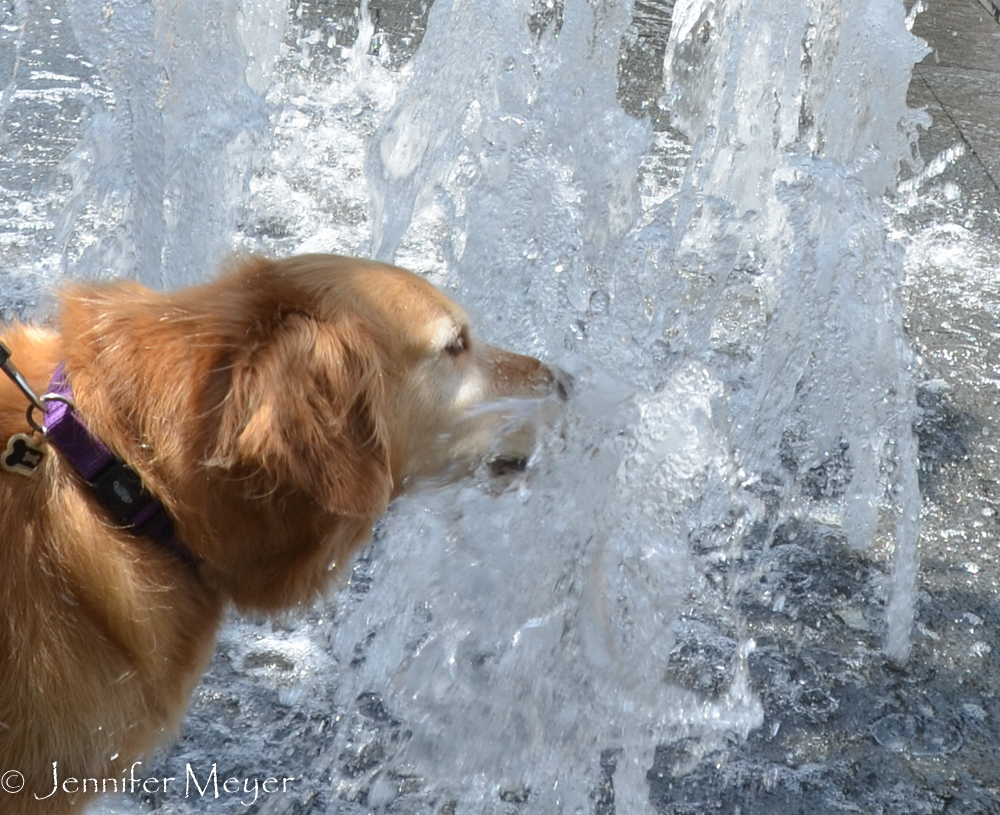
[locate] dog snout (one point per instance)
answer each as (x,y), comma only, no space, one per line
(556,381)
(525,376)
(562,383)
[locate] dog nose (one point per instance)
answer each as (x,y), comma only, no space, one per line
(562,382)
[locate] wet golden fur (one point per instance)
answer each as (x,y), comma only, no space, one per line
(275,412)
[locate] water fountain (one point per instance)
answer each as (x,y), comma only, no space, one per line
(737,318)
(776,158)
(735,336)
(159,176)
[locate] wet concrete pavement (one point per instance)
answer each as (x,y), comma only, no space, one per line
(958,83)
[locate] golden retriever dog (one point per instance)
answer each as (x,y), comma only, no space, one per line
(274,413)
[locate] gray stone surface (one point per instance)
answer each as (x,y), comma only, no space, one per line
(959,80)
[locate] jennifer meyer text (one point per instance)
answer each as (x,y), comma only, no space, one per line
(193,783)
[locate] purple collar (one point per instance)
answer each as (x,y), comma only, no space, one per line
(116,486)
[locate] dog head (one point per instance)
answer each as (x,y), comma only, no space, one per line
(278,410)
(366,380)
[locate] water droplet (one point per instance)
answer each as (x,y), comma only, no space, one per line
(974,712)
(599,302)
(918,736)
(660,351)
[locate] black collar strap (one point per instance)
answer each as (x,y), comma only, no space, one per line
(116,486)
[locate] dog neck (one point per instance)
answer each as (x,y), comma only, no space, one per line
(115,485)
(152,374)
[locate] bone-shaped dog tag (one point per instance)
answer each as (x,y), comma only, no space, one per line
(23,455)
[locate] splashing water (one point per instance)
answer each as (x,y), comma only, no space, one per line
(160,173)
(776,158)
(754,314)
(735,339)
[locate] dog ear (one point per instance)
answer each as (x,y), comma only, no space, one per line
(305,409)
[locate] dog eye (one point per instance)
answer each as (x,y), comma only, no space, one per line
(459,345)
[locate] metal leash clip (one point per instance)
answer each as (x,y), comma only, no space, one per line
(23,454)
(18,379)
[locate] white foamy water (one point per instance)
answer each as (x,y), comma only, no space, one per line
(164,164)
(754,334)
(797,195)
(735,339)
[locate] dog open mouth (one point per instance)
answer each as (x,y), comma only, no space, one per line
(502,466)
(523,434)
